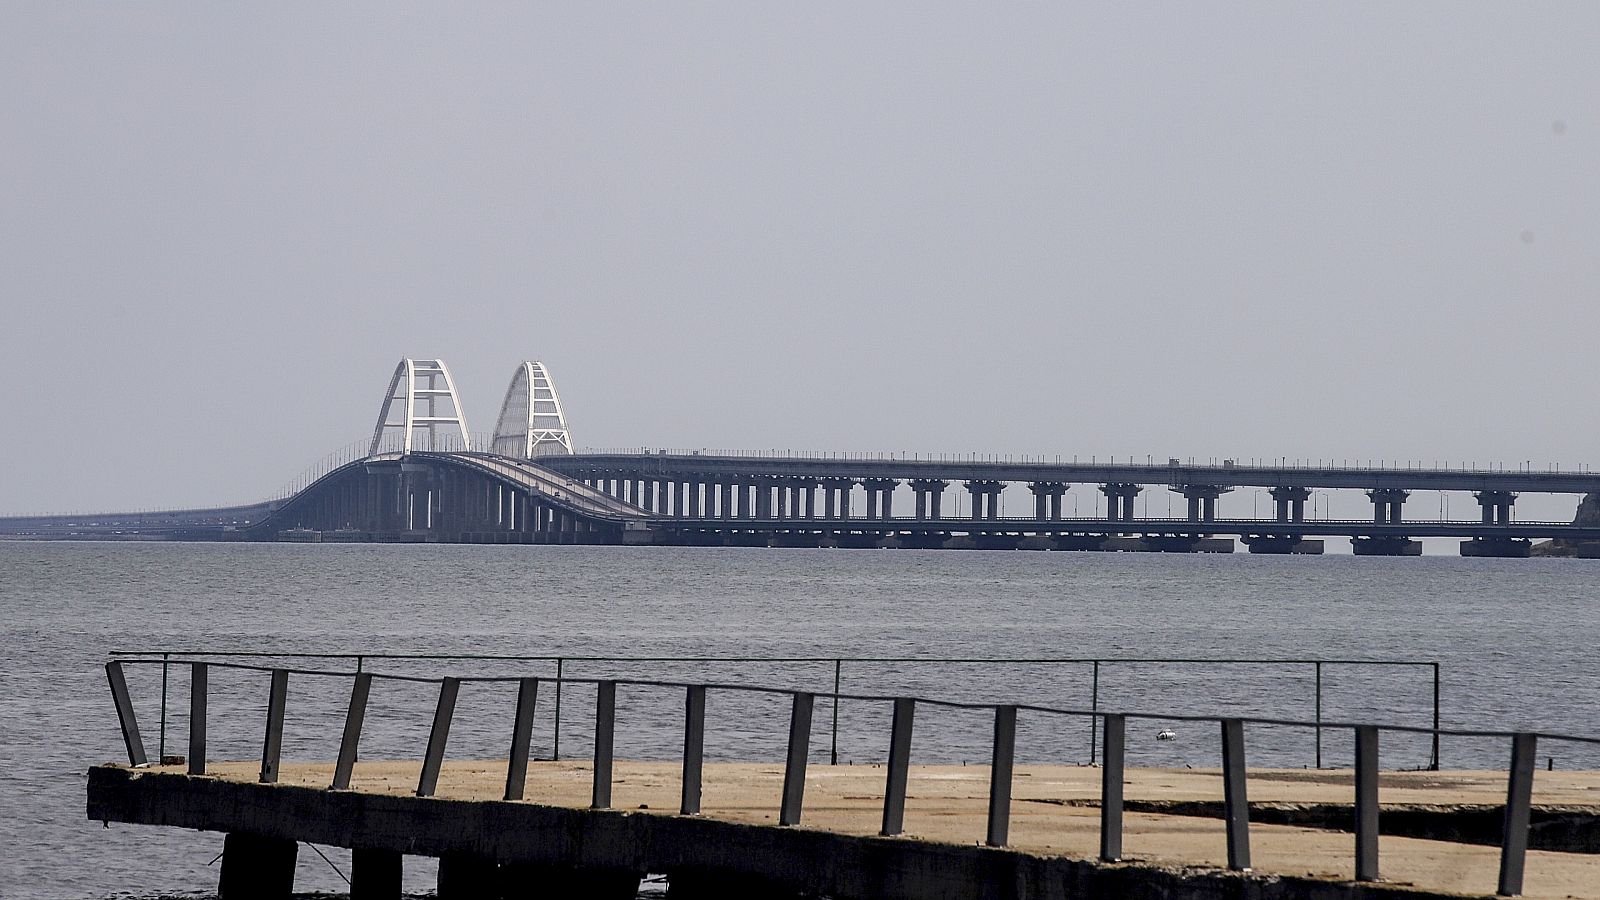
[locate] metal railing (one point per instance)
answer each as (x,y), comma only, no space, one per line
(1094,664)
(1111,725)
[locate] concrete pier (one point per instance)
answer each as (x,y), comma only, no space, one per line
(1440,830)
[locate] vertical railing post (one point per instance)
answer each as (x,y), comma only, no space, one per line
(694,748)
(838,673)
(794,770)
(605,729)
(161,742)
(125,717)
(1000,765)
(1094,706)
(197,718)
(1519,799)
(555,744)
(1236,804)
(1434,763)
(272,745)
(1366,803)
(1319,715)
(438,736)
(351,739)
(894,788)
(521,736)
(1116,729)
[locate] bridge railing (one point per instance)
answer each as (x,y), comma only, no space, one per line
(1147,462)
(842,669)
(1110,725)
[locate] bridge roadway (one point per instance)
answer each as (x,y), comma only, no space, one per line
(664,464)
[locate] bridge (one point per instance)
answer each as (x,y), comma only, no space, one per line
(425,478)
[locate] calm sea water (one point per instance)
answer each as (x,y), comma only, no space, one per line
(1516,639)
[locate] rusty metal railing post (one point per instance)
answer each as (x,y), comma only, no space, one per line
(1433,764)
(272,744)
(351,738)
(794,770)
(1519,800)
(894,788)
(1236,804)
(197,718)
(521,736)
(438,736)
(1000,767)
(125,716)
(1366,803)
(694,748)
(1116,739)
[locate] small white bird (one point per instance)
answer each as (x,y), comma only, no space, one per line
(1166,734)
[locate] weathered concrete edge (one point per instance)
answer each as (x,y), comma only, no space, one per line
(817,862)
(1560,828)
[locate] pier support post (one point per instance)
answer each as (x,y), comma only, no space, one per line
(466,877)
(256,868)
(375,874)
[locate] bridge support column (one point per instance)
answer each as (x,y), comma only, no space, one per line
(1203,500)
(764,489)
(836,497)
(1047,499)
(1387,504)
(726,488)
(1289,503)
(929,492)
(880,497)
(256,867)
(985,498)
(1119,500)
(1496,506)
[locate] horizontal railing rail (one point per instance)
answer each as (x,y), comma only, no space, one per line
(1112,726)
(838,663)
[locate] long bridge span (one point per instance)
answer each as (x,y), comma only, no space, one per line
(422,480)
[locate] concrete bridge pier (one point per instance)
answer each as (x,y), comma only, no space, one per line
(1047,499)
(1119,500)
(880,497)
(929,493)
(1497,548)
(1203,500)
(1290,503)
(1387,504)
(1496,506)
(1385,546)
(1283,544)
(985,498)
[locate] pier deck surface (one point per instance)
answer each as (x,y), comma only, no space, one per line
(1052,812)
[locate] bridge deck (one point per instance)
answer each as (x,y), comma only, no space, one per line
(1052,811)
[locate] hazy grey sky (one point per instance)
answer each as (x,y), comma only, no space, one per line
(1217,229)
